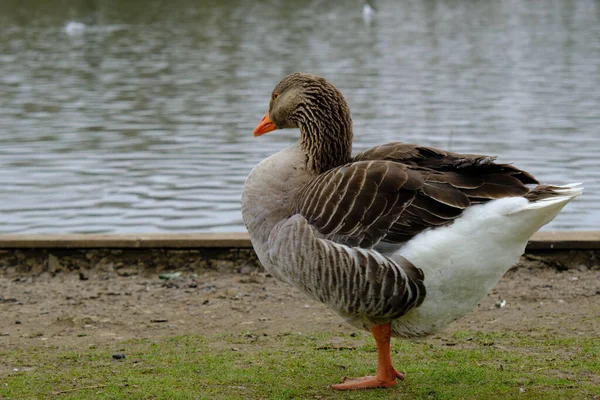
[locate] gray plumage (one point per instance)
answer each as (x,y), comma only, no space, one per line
(329,223)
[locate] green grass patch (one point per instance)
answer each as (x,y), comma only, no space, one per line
(468,365)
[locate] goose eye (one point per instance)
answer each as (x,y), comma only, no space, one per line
(275,95)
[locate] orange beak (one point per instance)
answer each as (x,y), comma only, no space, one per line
(266,125)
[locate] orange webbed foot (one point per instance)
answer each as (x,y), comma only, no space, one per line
(386,373)
(369,382)
(366,382)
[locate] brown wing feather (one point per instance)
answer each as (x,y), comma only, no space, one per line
(393,192)
(469,165)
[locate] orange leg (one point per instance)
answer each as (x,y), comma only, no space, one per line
(386,373)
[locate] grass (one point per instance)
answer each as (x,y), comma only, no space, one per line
(467,365)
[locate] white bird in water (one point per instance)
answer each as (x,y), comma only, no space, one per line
(74,28)
(368,13)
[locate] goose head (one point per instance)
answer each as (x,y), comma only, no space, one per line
(319,110)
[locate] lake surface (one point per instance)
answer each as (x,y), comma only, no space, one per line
(142,120)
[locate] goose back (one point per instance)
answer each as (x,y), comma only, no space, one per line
(391,193)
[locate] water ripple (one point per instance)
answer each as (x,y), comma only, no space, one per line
(142,121)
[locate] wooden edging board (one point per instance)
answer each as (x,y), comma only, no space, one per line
(584,240)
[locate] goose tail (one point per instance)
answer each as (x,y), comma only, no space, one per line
(544,204)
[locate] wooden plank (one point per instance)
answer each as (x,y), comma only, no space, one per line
(579,240)
(159,240)
(540,241)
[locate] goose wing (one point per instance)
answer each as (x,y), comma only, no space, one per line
(357,283)
(390,193)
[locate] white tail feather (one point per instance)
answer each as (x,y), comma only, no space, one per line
(538,213)
(567,193)
(573,188)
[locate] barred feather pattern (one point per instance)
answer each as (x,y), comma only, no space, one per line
(359,284)
(323,116)
(393,192)
(321,219)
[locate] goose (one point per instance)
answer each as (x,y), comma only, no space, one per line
(399,240)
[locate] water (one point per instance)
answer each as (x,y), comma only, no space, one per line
(142,120)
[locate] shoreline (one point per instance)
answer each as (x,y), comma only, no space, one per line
(569,240)
(222,252)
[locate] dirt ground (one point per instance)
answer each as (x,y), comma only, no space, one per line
(72,311)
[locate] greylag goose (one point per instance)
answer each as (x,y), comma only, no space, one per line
(399,240)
